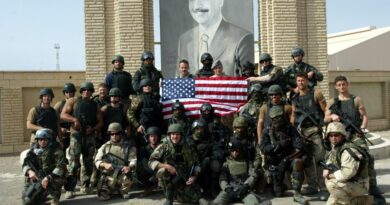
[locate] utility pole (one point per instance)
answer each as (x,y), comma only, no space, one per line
(57,47)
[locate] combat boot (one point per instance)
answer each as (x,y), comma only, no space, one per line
(69,194)
(104,196)
(300,199)
(168,202)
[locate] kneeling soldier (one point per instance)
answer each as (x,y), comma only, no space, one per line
(44,168)
(117,160)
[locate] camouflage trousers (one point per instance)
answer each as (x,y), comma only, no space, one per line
(223,198)
(53,192)
(315,146)
(81,146)
(182,192)
(110,184)
(346,192)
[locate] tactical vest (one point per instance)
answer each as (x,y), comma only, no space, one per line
(362,172)
(47,118)
(113,114)
(122,80)
(182,155)
(306,105)
(86,111)
(238,170)
(118,151)
(348,107)
(149,111)
(65,125)
(267,119)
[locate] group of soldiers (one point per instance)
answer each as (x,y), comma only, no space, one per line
(118,140)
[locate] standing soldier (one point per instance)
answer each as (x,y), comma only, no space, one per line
(308,106)
(345,169)
(44,116)
(144,172)
(237,178)
(69,91)
(44,168)
(283,149)
(147,71)
(349,110)
(145,112)
(179,116)
(119,78)
(177,166)
(116,160)
(114,112)
(207,61)
(270,74)
(299,66)
(102,98)
(86,119)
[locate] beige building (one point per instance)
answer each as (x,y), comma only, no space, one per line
(126,27)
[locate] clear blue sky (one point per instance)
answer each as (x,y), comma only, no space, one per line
(29,29)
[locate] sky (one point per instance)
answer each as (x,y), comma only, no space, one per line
(29,29)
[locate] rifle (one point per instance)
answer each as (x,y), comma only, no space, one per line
(237,190)
(35,188)
(109,158)
(180,175)
(331,167)
(311,120)
(348,122)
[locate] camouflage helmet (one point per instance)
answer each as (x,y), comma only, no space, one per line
(275,89)
(153,131)
(145,82)
(69,87)
(265,57)
(177,105)
(114,127)
(44,133)
(235,144)
(206,106)
(46,91)
(175,128)
(206,56)
(275,111)
(147,55)
(240,122)
(336,127)
(297,51)
(248,65)
(86,86)
(254,88)
(115,92)
(198,124)
(118,58)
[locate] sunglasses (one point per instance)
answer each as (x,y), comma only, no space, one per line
(115,133)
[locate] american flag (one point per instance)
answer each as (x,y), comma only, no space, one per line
(225,94)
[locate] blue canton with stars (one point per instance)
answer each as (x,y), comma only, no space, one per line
(178,88)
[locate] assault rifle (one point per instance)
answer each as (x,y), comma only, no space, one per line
(331,167)
(181,177)
(347,121)
(237,190)
(109,158)
(35,188)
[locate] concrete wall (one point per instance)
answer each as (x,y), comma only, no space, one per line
(18,93)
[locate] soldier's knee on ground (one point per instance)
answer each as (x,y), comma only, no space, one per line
(362,200)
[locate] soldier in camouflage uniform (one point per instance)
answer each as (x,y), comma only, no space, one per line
(248,70)
(144,172)
(207,61)
(308,106)
(69,91)
(44,116)
(251,109)
(117,160)
(147,71)
(177,166)
(179,116)
(102,97)
(238,178)
(299,66)
(346,169)
(269,75)
(44,168)
(145,112)
(350,110)
(86,119)
(283,149)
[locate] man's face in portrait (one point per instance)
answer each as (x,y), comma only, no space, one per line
(205,11)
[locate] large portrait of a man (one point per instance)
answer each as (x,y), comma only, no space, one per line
(223,28)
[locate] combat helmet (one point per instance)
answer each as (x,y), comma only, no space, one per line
(297,51)
(265,57)
(147,55)
(153,131)
(145,82)
(44,133)
(46,91)
(240,122)
(275,89)
(206,106)
(177,105)
(115,92)
(69,87)
(114,127)
(175,128)
(254,88)
(118,58)
(86,86)
(336,127)
(206,56)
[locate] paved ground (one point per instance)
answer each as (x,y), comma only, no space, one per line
(11,181)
